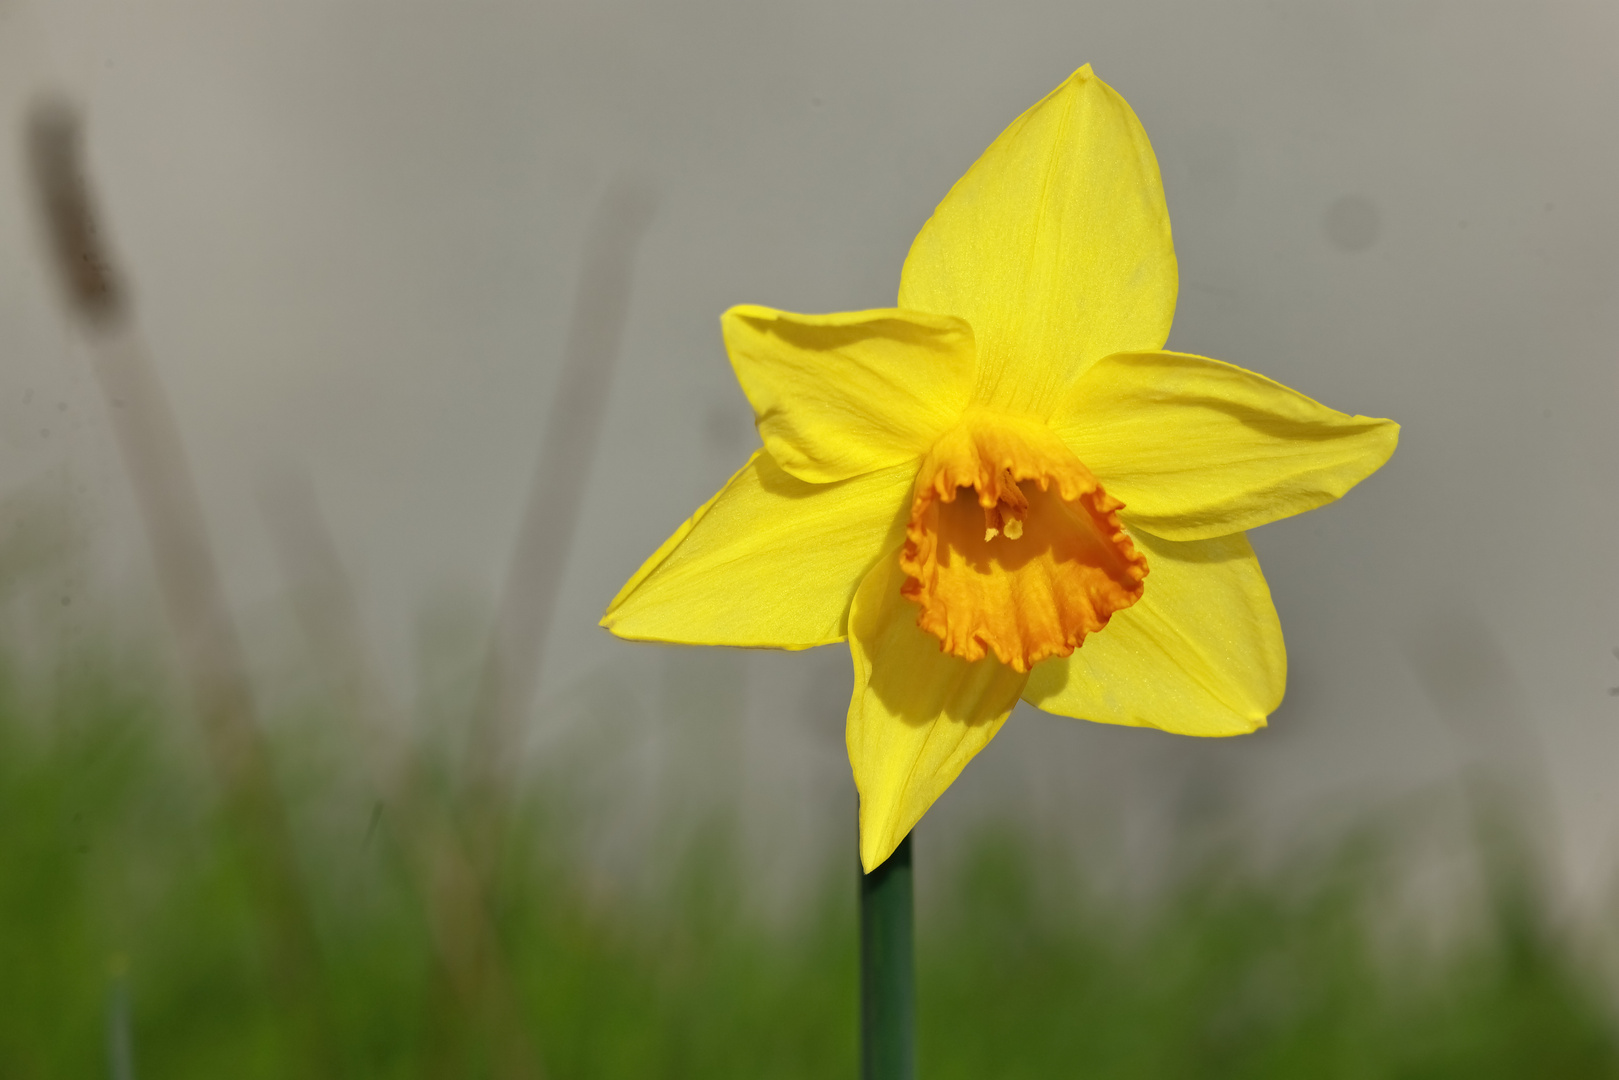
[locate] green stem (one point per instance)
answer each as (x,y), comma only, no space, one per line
(888,970)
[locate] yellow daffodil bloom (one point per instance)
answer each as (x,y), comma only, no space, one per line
(1003,487)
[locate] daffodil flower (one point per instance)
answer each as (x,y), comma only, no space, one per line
(1003,487)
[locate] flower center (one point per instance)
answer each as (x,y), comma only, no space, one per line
(1047,563)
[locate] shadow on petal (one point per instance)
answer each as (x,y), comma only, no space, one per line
(918,714)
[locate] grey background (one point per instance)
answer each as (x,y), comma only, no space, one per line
(354,231)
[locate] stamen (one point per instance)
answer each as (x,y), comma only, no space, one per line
(1003,520)
(1005,507)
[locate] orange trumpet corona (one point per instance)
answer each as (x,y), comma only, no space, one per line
(1013,547)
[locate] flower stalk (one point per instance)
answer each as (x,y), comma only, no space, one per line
(888,970)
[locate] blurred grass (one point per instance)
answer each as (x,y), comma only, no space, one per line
(112,845)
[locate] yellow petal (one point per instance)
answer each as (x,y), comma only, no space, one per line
(918,714)
(845,394)
(769,562)
(1198,448)
(1055,246)
(1200,654)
